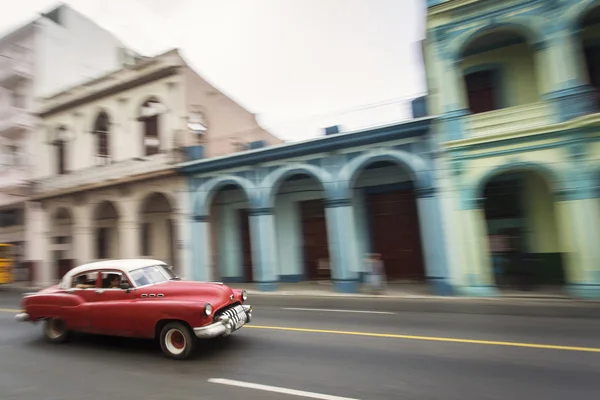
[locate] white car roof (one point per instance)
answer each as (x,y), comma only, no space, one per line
(125,265)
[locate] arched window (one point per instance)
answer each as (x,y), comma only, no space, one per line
(102,130)
(150,118)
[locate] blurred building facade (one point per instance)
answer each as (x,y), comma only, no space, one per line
(313,210)
(105,184)
(514,88)
(60,48)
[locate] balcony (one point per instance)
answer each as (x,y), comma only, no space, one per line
(105,173)
(14,121)
(509,120)
(13,69)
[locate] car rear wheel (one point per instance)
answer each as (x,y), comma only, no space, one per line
(177,340)
(56,330)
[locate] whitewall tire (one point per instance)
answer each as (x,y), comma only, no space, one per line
(55,330)
(177,341)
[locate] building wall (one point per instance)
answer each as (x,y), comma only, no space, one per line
(287,219)
(229,124)
(72,51)
(80,228)
(125,138)
(335,162)
(545,130)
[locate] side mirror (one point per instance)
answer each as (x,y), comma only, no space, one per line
(125,286)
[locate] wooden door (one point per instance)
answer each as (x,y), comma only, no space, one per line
(396,234)
(315,243)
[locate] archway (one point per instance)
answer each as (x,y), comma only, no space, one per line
(61,241)
(521,223)
(106,231)
(298,199)
(499,69)
(157,232)
(231,240)
(387,218)
(589,28)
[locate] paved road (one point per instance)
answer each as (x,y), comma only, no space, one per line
(324,352)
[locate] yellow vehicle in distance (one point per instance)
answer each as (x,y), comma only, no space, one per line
(7,261)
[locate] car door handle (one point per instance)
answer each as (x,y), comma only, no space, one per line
(99,291)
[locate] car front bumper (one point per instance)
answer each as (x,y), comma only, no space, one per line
(229,322)
(22,317)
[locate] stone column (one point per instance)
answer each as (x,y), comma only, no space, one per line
(570,91)
(83,235)
(264,248)
(37,249)
(434,245)
(579,216)
(129,230)
(200,248)
(343,250)
(477,268)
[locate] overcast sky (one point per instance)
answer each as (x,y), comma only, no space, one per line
(299,64)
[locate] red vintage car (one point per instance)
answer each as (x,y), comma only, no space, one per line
(137,298)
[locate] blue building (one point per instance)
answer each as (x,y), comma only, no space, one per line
(312,210)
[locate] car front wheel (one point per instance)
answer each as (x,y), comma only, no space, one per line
(56,330)
(177,341)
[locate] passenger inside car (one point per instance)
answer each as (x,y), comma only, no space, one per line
(82,283)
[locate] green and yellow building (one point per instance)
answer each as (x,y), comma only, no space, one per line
(514,86)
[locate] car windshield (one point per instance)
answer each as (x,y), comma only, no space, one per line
(151,274)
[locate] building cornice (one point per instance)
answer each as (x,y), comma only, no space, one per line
(331,143)
(587,121)
(156,75)
(104,184)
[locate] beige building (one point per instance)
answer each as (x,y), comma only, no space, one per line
(105,183)
(56,50)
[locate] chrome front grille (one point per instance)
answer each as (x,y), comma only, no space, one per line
(235,313)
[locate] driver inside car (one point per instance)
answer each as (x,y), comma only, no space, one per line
(114,281)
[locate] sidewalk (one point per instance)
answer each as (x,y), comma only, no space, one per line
(409,299)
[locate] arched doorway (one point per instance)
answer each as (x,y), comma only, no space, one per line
(301,226)
(231,239)
(499,70)
(387,218)
(106,231)
(521,222)
(157,236)
(61,239)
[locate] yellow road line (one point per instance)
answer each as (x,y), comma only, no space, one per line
(411,337)
(432,338)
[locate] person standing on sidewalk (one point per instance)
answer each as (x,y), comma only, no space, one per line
(376,272)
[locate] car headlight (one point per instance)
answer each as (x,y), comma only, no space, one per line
(244,295)
(208,309)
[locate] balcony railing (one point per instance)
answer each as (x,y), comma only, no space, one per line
(14,120)
(103,173)
(509,120)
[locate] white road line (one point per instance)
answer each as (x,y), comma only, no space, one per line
(276,389)
(340,311)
